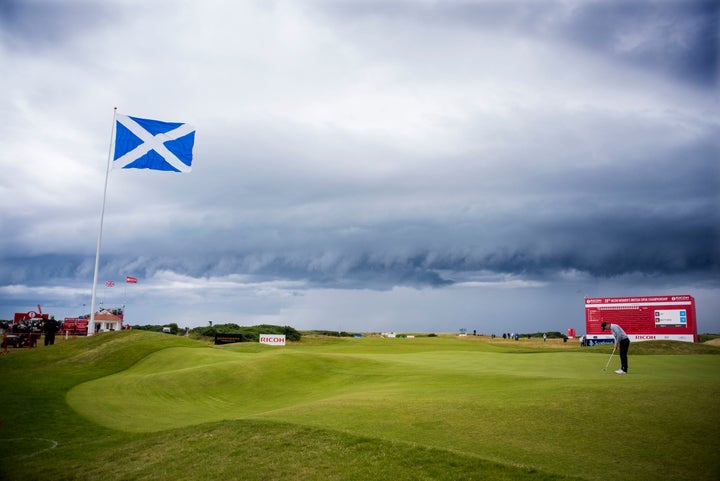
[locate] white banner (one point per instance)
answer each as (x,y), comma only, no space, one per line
(661,337)
(644,337)
(272,339)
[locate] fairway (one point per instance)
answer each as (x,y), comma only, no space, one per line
(545,410)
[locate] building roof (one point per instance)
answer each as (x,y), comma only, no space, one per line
(106,316)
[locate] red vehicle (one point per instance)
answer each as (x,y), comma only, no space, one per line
(648,318)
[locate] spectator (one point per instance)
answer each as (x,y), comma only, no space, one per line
(50,328)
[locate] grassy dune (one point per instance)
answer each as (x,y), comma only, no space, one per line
(138,405)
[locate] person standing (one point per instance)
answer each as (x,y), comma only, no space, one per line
(623,340)
(50,329)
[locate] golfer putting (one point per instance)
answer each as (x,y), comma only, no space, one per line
(623,341)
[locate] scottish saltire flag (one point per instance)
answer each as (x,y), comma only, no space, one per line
(152,144)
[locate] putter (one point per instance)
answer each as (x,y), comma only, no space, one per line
(609,359)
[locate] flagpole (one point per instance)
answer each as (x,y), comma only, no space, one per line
(124,302)
(91,325)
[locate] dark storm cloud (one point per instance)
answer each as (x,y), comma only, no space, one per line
(40,268)
(678,38)
(605,241)
(32,24)
(651,213)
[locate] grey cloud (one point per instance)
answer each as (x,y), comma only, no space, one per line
(678,38)
(33,24)
(389,151)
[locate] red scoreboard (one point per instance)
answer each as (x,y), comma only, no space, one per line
(650,318)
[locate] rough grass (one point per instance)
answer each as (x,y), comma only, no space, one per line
(161,407)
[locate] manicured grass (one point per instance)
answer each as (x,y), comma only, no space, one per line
(138,405)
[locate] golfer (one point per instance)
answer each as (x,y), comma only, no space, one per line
(624,341)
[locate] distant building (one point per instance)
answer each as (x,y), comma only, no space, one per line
(109,320)
(105,320)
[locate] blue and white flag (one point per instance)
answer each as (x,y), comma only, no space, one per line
(152,144)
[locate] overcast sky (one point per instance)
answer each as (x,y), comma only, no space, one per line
(364,165)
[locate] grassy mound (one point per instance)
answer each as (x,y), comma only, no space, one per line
(139,405)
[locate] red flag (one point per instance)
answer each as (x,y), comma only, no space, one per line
(109,283)
(131,280)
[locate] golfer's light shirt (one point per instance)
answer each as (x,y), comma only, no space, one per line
(618,333)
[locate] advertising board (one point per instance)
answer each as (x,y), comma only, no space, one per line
(77,326)
(648,318)
(228,338)
(272,339)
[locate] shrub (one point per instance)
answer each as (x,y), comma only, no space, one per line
(250,334)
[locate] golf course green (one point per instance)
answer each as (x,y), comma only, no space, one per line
(141,405)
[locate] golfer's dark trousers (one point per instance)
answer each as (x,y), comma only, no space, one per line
(624,345)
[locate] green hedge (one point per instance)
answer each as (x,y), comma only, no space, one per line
(249,333)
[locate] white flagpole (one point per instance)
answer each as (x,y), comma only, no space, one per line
(91,325)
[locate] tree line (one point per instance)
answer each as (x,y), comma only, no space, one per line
(248,333)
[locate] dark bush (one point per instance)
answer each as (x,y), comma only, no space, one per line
(251,333)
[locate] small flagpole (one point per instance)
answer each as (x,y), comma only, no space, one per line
(91,325)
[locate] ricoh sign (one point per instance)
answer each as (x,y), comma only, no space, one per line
(649,318)
(272,339)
